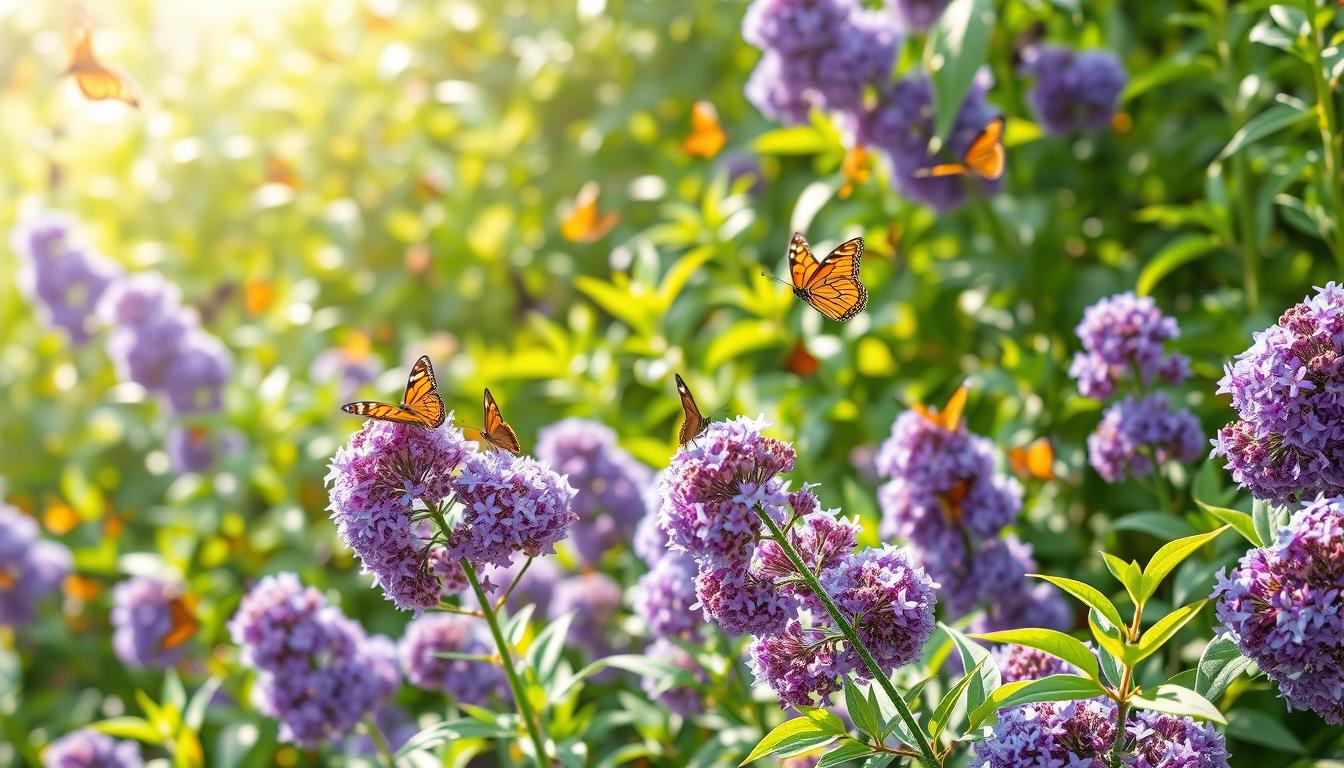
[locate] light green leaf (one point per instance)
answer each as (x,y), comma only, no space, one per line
(1266,521)
(1174,255)
(1052,688)
(740,338)
(1219,665)
(1170,555)
(850,750)
(1089,594)
(1109,639)
(1052,642)
(137,728)
(1168,70)
(451,730)
(1240,521)
(1163,630)
(812,724)
(794,140)
(957,47)
(939,719)
(975,656)
(1259,728)
(1163,525)
(1175,700)
(866,718)
(1129,574)
(1269,122)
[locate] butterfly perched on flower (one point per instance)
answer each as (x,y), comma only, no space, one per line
(421,405)
(949,416)
(694,423)
(983,158)
(585,224)
(832,286)
(184,625)
(706,137)
(95,81)
(496,433)
(1035,459)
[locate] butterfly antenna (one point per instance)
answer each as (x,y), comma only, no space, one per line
(776,279)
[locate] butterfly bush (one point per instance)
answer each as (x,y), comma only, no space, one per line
(610,483)
(918,15)
(1134,431)
(141,620)
(664,599)
(1018,662)
(1074,90)
(1282,604)
(63,278)
(1287,441)
(87,748)
(31,568)
(317,672)
(466,681)
(512,504)
(595,599)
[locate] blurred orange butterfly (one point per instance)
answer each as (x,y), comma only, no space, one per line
(95,81)
(695,422)
(984,158)
(855,168)
(584,224)
(182,614)
(706,137)
(1036,459)
(280,171)
(949,416)
(497,433)
(832,286)
(800,362)
(421,405)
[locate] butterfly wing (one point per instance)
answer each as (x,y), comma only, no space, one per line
(801,362)
(184,624)
(956,406)
(985,155)
(833,288)
(803,265)
(422,394)
(96,82)
(1035,459)
(706,137)
(946,169)
(695,422)
(585,224)
(497,432)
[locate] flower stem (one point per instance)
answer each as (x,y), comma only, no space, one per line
(1331,140)
(506,658)
(926,754)
(379,741)
(1123,693)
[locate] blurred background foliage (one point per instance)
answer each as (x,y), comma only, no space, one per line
(390,179)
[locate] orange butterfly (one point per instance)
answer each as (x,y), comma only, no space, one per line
(949,417)
(182,613)
(1036,459)
(584,224)
(695,422)
(280,171)
(800,362)
(951,501)
(855,168)
(421,405)
(984,157)
(706,137)
(497,433)
(7,578)
(832,286)
(97,82)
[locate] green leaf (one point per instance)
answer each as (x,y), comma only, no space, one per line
(866,717)
(957,47)
(615,301)
(794,140)
(1170,555)
(1259,728)
(814,723)
(879,761)
(544,653)
(1163,525)
(740,338)
(1174,255)
(1052,642)
(1090,595)
(1167,70)
(1052,688)
(1129,574)
(1176,700)
(1163,630)
(1108,639)
(451,730)
(1264,518)
(1219,665)
(1285,114)
(137,728)
(975,656)
(939,719)
(516,627)
(1241,522)
(850,750)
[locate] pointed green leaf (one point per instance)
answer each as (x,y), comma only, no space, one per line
(1052,688)
(1108,639)
(1163,630)
(1089,594)
(957,47)
(813,723)
(1219,665)
(850,750)
(866,718)
(1172,256)
(1241,522)
(1052,642)
(1170,555)
(1277,118)
(941,713)
(1129,574)
(973,656)
(1175,700)
(1259,728)
(128,727)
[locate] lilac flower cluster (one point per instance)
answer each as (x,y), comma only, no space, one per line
(469,681)
(1287,442)
(31,568)
(610,483)
(1124,338)
(1282,605)
(945,499)
(664,597)
(87,748)
(710,495)
(142,620)
(63,278)
(318,674)
(1075,90)
(1018,662)
(595,599)
(512,504)
(918,15)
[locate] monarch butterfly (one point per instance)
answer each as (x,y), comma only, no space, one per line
(832,286)
(584,224)
(95,81)
(984,157)
(706,137)
(184,624)
(1035,459)
(949,416)
(497,433)
(695,422)
(421,405)
(855,168)
(951,501)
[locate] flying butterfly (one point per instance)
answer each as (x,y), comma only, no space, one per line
(95,81)
(585,224)
(184,625)
(1035,459)
(695,422)
(706,137)
(421,405)
(832,286)
(497,433)
(984,158)
(949,416)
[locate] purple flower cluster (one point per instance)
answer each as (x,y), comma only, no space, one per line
(468,681)
(918,15)
(318,674)
(87,748)
(1287,442)
(1018,662)
(31,568)
(665,596)
(1283,606)
(610,483)
(142,620)
(63,278)
(1134,431)
(511,504)
(595,600)
(351,366)
(1124,338)
(1075,90)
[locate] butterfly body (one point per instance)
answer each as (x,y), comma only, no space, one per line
(420,406)
(831,287)
(695,422)
(496,434)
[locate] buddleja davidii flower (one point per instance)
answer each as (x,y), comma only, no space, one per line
(742,603)
(1124,338)
(142,621)
(1287,442)
(1283,606)
(795,27)
(63,279)
(918,15)
(713,486)
(821,539)
(469,681)
(510,505)
(665,598)
(595,600)
(801,664)
(87,748)
(1135,431)
(1075,90)
(1018,662)
(31,568)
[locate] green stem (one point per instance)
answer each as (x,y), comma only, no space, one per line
(1118,746)
(1123,694)
(926,753)
(379,741)
(1247,247)
(506,658)
(1159,486)
(1332,142)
